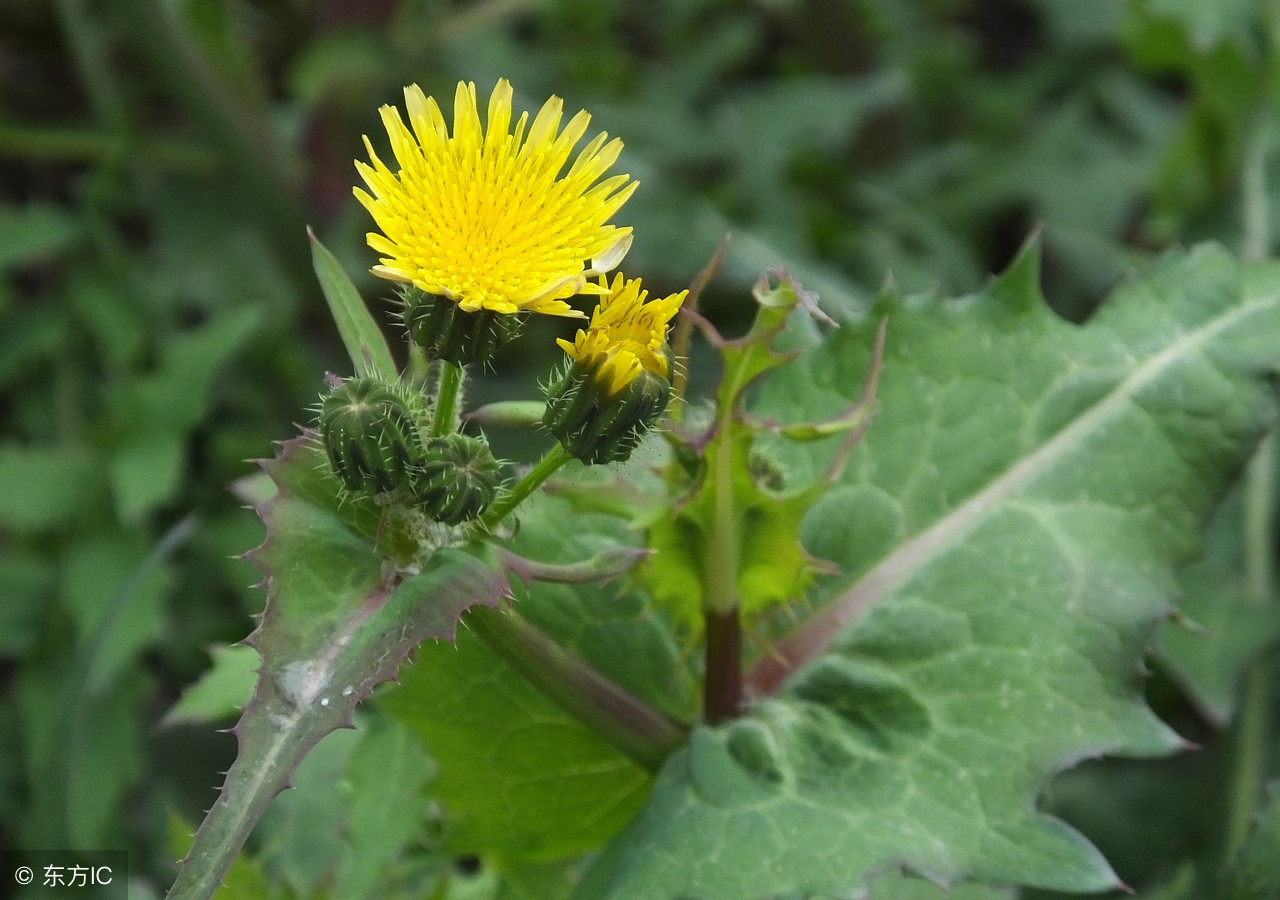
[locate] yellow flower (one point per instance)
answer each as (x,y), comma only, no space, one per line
(627,335)
(483,216)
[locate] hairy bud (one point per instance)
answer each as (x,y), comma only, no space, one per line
(457,478)
(369,436)
(598,427)
(445,331)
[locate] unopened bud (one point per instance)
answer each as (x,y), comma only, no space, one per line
(596,427)
(457,478)
(369,435)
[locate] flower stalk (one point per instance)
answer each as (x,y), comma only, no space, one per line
(643,734)
(556,457)
(1252,725)
(445,419)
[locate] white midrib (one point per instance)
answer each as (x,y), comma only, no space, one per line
(814,636)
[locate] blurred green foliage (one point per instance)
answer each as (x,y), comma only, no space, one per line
(160,325)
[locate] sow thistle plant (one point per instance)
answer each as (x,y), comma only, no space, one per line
(905,625)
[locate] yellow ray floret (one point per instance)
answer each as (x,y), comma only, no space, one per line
(483,216)
(627,335)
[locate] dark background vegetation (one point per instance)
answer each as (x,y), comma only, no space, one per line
(160,325)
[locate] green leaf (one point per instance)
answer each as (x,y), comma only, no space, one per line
(42,487)
(154,415)
(1223,630)
(897,886)
(385,774)
(301,833)
(114,589)
(29,581)
(360,333)
(34,231)
(1220,628)
(1205,23)
(1025,491)
(772,566)
(146,472)
(339,620)
(519,777)
(222,691)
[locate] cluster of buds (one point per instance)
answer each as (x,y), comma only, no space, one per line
(373,436)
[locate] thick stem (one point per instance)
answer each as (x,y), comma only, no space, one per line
(645,735)
(445,420)
(556,457)
(722,690)
(722,686)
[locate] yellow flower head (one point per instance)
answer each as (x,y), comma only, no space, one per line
(627,335)
(483,216)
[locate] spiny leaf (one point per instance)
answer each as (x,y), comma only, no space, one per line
(1018,507)
(338,622)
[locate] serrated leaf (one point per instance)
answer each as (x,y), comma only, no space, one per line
(1031,483)
(365,344)
(338,622)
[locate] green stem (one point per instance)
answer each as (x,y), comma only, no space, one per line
(645,735)
(1252,726)
(556,457)
(446,416)
(722,685)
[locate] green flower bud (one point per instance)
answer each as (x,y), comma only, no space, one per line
(369,435)
(456,479)
(616,382)
(596,426)
(439,326)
